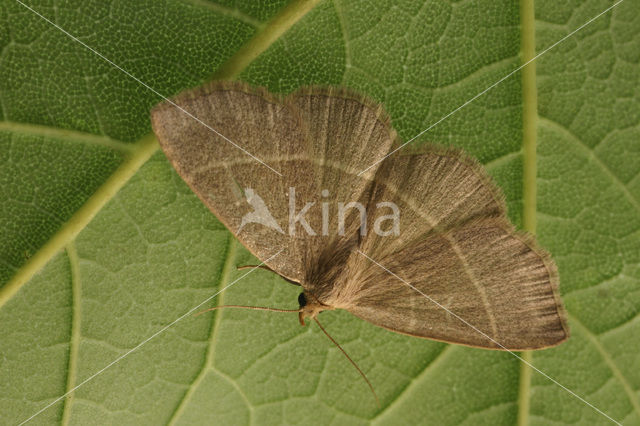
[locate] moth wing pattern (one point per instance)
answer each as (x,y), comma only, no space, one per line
(303,136)
(496,279)
(220,173)
(349,133)
(433,189)
(455,243)
(458,248)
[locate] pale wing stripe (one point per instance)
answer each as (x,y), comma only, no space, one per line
(431,221)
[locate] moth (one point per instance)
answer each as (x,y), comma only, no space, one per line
(295,173)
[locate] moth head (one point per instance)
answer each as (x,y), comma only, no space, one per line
(310,307)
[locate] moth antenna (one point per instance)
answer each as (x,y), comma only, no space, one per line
(350,360)
(255,308)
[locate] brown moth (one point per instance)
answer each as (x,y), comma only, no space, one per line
(454,242)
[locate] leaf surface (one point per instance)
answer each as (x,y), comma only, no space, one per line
(103,245)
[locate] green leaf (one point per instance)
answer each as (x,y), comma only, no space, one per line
(104,245)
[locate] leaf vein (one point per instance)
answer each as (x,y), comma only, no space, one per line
(343,29)
(68,135)
(68,232)
(207,364)
(263,39)
(611,364)
(590,154)
(419,378)
(74,341)
(227,11)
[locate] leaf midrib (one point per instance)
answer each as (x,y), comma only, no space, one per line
(234,66)
(141,150)
(137,155)
(529,189)
(263,39)
(144,148)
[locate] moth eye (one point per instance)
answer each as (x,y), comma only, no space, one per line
(302,300)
